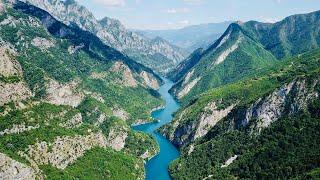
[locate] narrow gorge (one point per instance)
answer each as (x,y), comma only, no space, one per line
(85,93)
(157,167)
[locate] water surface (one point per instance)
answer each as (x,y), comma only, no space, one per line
(157,167)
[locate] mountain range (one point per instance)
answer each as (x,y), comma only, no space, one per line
(190,38)
(263,127)
(250,103)
(243,49)
(157,53)
(72,87)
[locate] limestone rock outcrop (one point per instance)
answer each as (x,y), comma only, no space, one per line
(183,134)
(116,139)
(288,99)
(149,81)
(127,78)
(120,113)
(63,94)
(11,169)
(42,43)
(18,128)
(14,92)
(64,150)
(74,122)
(9,66)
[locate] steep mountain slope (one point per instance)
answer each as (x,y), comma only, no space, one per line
(245,48)
(185,65)
(294,35)
(67,100)
(113,33)
(264,127)
(190,37)
(234,56)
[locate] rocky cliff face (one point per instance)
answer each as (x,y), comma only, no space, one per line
(64,150)
(11,169)
(8,65)
(63,94)
(184,132)
(255,124)
(114,34)
(287,100)
(14,92)
(1,7)
(13,88)
(149,81)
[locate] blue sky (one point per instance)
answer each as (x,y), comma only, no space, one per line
(169,14)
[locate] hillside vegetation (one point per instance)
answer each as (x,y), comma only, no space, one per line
(67,100)
(260,128)
(243,50)
(155,53)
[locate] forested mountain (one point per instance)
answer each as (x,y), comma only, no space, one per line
(232,57)
(292,36)
(245,48)
(67,99)
(159,55)
(250,104)
(264,127)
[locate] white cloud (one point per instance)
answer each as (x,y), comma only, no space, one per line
(177,10)
(110,3)
(168,25)
(184,22)
(193,2)
(269,19)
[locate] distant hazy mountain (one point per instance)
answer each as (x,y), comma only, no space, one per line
(191,37)
(158,55)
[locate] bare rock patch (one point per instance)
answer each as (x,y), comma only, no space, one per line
(12,169)
(63,94)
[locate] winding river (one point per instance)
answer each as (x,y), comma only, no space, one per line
(157,167)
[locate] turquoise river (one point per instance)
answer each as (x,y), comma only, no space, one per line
(157,167)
